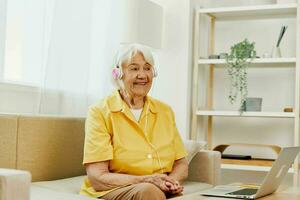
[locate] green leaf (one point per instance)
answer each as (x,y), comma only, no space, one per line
(238,60)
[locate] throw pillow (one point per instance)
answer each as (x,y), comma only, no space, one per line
(192,147)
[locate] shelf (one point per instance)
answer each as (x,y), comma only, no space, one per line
(254,12)
(255,61)
(245,114)
(249,168)
(249,165)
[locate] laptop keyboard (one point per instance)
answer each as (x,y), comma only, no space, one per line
(246,191)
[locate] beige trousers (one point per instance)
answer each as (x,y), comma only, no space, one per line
(140,191)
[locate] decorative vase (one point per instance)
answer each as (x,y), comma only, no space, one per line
(276,52)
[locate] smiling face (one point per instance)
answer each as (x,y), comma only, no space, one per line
(137,76)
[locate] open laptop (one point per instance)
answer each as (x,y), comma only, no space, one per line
(270,184)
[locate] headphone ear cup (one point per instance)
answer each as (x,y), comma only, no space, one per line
(117,73)
(154,72)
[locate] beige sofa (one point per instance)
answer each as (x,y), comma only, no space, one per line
(51,149)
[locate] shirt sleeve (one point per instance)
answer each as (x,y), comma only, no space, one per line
(97,144)
(180,151)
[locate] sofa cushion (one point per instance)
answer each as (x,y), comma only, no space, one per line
(41,193)
(192,187)
(69,185)
(192,147)
(72,185)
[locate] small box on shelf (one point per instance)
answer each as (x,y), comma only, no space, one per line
(288,109)
(235,156)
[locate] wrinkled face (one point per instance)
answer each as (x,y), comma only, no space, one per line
(137,75)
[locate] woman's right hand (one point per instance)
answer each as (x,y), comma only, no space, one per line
(160,181)
(174,189)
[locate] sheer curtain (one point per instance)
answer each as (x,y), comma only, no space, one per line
(59,53)
(80,40)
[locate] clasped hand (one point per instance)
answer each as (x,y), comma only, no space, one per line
(165,183)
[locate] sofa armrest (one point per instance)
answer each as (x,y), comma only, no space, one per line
(205,167)
(14,184)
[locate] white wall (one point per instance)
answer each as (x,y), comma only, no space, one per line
(172,83)
(2,34)
(16,98)
(25,99)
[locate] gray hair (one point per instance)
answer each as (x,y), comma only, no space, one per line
(126,53)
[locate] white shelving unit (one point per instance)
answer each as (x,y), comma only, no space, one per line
(245,114)
(246,12)
(255,61)
(250,168)
(207,111)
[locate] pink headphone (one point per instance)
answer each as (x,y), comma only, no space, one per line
(117,72)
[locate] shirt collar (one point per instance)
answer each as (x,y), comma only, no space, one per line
(116,103)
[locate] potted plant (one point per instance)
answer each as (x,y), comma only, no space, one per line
(238,60)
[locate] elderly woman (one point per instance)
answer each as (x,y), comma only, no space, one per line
(132,147)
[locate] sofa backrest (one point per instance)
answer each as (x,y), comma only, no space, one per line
(49,147)
(8,141)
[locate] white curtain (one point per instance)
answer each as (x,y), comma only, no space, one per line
(80,40)
(59,53)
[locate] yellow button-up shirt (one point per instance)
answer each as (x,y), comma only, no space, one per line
(148,146)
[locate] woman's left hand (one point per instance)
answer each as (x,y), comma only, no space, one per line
(174,188)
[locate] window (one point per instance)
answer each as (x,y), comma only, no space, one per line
(24,45)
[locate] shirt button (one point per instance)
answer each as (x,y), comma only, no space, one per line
(149,156)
